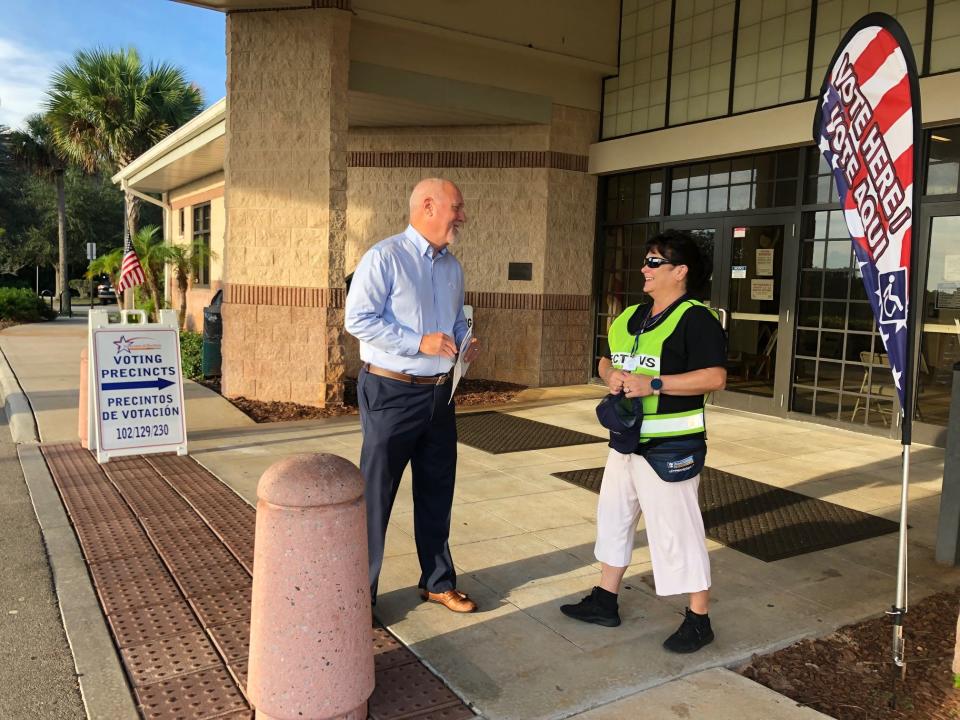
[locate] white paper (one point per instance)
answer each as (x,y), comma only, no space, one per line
(738,272)
(765,262)
(460,366)
(761,289)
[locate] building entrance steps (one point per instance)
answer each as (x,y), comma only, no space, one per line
(173,574)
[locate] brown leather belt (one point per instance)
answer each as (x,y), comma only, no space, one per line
(403,377)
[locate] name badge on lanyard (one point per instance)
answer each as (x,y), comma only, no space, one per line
(633,361)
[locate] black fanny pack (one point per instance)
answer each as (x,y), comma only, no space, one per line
(675,459)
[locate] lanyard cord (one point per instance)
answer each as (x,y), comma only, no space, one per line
(650,320)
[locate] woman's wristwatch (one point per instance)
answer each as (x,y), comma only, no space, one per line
(656,385)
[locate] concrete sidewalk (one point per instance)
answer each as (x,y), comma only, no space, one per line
(522,541)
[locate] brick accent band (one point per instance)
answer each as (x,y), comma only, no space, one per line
(468,159)
(307,5)
(238,294)
(525,301)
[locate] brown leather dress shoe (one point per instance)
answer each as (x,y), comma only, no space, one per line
(452,600)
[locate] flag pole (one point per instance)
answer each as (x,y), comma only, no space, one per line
(856,129)
(128,300)
(915,298)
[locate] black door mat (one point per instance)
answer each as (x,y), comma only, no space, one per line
(763,521)
(496,433)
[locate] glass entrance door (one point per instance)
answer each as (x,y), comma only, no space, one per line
(751,289)
(939,324)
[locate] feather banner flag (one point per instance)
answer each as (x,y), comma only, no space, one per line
(867,126)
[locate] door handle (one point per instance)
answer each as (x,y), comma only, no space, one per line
(723,317)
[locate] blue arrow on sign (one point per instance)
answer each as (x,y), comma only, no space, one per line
(158,384)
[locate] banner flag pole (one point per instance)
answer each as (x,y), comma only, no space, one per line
(868,128)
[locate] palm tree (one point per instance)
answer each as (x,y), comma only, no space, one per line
(153,254)
(36,150)
(106,108)
(183,260)
(107,264)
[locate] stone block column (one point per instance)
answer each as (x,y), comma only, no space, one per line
(285,201)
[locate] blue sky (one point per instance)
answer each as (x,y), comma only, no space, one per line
(36,36)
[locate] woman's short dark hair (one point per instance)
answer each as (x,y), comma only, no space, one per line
(680,248)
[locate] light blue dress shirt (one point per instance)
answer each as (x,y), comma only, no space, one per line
(400,292)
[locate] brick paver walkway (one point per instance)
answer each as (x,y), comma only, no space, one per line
(170,551)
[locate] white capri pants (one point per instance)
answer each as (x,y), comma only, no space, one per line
(675,532)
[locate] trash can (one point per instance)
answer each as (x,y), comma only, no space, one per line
(210,357)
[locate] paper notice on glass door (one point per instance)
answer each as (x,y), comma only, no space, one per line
(764,262)
(460,366)
(761,289)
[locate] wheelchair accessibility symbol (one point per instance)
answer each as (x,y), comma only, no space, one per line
(892,289)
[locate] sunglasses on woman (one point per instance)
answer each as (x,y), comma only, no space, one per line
(655,262)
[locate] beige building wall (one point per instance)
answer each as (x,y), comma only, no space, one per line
(206,190)
(285,170)
(528,200)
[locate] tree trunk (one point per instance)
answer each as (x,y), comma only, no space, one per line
(182,287)
(62,279)
(133,214)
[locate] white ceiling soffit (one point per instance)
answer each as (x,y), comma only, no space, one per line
(191,161)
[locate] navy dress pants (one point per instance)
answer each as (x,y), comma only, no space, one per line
(404,423)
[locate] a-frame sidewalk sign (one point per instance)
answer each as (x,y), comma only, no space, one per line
(135,385)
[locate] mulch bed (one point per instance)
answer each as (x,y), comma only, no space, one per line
(470,393)
(848,675)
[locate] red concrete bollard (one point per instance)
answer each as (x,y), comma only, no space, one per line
(311,653)
(83,421)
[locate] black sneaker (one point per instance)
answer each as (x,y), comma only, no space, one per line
(599,607)
(693,634)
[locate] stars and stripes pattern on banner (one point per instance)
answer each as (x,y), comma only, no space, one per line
(866,126)
(131,272)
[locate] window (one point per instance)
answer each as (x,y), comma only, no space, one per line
(841,371)
(943,167)
(945,43)
(700,73)
(636,98)
(743,183)
(939,345)
(182,219)
(772,48)
(834,18)
(634,196)
(201,244)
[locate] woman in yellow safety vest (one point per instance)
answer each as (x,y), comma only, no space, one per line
(669,353)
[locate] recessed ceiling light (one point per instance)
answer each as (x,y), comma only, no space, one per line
(940,138)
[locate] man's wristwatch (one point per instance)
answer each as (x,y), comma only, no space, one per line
(656,384)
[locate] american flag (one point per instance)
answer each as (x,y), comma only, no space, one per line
(866,126)
(131,273)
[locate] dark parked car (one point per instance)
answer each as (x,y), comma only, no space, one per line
(106,293)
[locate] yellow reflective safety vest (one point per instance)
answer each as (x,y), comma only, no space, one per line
(640,354)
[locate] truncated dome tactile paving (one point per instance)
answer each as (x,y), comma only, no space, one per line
(497,433)
(763,521)
(170,549)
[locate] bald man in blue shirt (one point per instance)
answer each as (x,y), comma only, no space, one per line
(405,306)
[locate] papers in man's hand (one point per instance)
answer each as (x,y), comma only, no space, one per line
(460,367)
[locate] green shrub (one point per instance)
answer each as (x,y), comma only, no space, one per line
(22,305)
(190,348)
